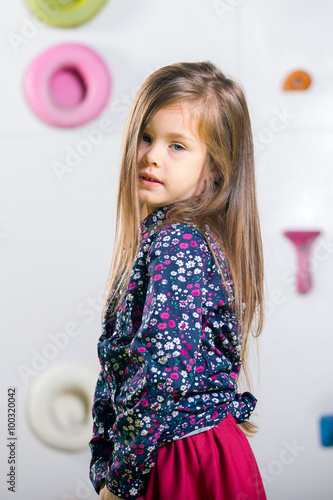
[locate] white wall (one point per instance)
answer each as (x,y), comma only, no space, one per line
(56,237)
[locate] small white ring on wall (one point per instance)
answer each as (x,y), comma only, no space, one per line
(59,406)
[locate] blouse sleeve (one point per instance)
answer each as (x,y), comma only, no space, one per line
(101,445)
(163,351)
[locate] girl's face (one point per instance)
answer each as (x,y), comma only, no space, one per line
(171,158)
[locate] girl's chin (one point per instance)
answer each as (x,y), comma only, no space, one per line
(152,206)
(151,200)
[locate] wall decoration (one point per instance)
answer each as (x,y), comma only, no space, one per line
(59,406)
(67,85)
(65,14)
(326,430)
(303,240)
(298,80)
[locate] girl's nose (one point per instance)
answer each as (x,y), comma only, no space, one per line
(147,160)
(151,157)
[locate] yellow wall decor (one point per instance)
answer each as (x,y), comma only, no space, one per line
(65,13)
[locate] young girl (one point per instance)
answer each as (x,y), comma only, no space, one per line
(186,286)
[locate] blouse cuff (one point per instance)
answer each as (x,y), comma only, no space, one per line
(243,406)
(97,479)
(127,489)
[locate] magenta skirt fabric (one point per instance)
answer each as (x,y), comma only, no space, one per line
(217,464)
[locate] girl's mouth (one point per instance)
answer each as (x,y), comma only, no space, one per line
(148,180)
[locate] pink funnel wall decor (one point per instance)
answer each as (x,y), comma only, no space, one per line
(303,241)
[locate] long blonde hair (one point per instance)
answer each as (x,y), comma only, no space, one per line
(228,203)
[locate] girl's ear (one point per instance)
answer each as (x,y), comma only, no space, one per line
(211,170)
(214,174)
(206,174)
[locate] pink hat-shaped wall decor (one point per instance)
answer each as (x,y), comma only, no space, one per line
(67,85)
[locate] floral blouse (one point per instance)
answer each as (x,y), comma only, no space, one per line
(169,357)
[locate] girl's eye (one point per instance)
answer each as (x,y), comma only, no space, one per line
(177,147)
(146,138)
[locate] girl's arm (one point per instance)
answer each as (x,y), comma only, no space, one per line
(162,355)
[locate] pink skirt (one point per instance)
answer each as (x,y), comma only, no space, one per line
(217,464)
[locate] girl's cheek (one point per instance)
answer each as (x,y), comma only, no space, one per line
(140,152)
(141,149)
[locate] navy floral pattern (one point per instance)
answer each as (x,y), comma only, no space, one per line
(169,357)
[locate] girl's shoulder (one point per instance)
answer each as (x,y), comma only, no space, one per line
(186,235)
(176,239)
(207,242)
(179,240)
